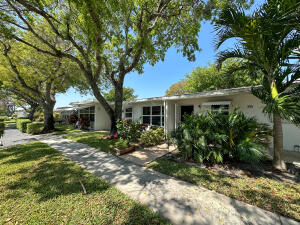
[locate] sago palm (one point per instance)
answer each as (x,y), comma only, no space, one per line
(267,43)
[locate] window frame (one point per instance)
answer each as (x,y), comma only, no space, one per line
(161,115)
(126,112)
(224,108)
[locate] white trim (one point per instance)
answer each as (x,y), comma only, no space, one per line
(217,103)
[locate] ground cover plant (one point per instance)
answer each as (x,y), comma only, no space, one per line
(215,137)
(279,197)
(40,186)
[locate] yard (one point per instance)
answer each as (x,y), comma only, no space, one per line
(279,197)
(94,139)
(40,186)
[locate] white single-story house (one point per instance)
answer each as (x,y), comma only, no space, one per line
(65,112)
(168,111)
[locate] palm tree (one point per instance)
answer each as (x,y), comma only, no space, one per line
(266,43)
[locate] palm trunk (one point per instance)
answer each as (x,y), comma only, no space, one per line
(278,163)
(48,119)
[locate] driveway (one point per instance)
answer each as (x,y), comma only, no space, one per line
(12,136)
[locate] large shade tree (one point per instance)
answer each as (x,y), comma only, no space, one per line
(112,38)
(266,42)
(34,77)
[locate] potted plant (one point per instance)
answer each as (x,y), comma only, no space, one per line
(122,146)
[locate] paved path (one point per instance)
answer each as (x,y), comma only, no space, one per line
(12,136)
(180,202)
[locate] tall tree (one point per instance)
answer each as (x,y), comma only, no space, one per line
(178,88)
(266,41)
(34,77)
(128,94)
(112,38)
(210,78)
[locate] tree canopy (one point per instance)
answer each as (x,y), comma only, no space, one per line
(128,94)
(210,78)
(111,38)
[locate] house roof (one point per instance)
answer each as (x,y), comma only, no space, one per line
(220,92)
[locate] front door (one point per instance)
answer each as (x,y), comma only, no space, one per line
(186,109)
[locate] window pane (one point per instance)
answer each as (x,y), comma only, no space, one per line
(156,120)
(146,110)
(163,110)
(92,117)
(156,110)
(84,110)
(146,119)
(128,115)
(92,109)
(163,121)
(128,110)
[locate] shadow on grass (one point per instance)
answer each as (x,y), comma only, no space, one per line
(47,173)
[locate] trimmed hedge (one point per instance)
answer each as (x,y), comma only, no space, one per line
(22,124)
(34,128)
(4,118)
(2,127)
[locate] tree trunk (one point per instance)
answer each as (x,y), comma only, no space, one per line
(32,111)
(278,163)
(118,101)
(48,119)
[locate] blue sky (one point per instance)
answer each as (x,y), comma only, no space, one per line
(156,79)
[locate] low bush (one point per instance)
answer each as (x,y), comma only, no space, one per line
(129,130)
(4,118)
(122,143)
(57,117)
(152,137)
(22,124)
(215,137)
(72,119)
(34,128)
(2,127)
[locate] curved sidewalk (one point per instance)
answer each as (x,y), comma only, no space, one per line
(179,201)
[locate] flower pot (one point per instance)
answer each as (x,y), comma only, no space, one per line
(124,151)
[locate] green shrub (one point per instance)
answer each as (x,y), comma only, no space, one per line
(152,137)
(2,127)
(216,137)
(122,143)
(127,129)
(4,118)
(22,124)
(34,128)
(57,117)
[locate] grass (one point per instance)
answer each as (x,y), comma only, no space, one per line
(275,196)
(94,139)
(9,122)
(40,186)
(65,129)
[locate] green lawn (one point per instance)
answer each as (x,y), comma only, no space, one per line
(94,139)
(65,129)
(40,186)
(275,196)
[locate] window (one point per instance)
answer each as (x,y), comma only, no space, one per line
(223,108)
(128,113)
(153,115)
(88,113)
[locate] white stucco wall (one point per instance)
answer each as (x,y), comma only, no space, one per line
(246,102)
(102,120)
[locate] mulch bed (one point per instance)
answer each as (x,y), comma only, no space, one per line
(240,169)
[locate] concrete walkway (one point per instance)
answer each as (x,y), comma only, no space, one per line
(180,202)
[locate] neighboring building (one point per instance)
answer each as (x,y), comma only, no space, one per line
(21,113)
(168,111)
(65,112)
